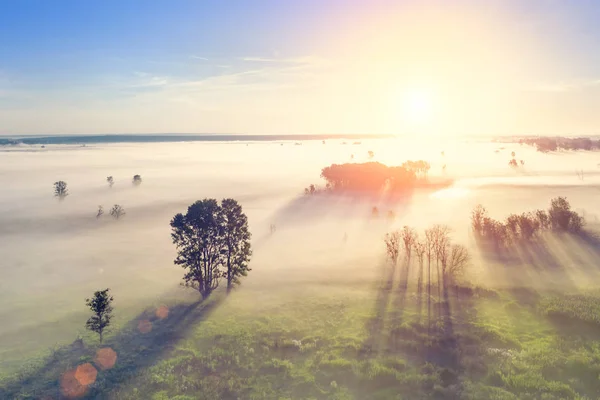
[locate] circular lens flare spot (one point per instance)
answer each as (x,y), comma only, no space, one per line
(86,374)
(144,326)
(105,358)
(162,312)
(70,386)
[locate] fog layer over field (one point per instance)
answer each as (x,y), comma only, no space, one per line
(56,253)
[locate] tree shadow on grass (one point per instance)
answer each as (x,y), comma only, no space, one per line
(375,324)
(137,346)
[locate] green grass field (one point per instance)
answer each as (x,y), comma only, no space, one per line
(341,338)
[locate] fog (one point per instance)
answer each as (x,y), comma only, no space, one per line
(56,253)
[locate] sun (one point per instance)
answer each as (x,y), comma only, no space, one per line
(417,106)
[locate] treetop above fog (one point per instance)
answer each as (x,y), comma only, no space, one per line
(373,176)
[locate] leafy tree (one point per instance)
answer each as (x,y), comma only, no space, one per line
(199,238)
(528,225)
(60,189)
(101,306)
(137,180)
(117,211)
(371,154)
(513,163)
(236,238)
(110,181)
(561,216)
(543,219)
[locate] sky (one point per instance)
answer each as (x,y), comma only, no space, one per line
(406,67)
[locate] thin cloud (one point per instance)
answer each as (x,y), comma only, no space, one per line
(199,58)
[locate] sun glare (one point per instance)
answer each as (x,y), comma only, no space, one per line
(417,106)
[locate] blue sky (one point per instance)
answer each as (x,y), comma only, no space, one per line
(309,66)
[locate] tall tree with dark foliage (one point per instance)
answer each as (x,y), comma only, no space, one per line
(213,242)
(101,306)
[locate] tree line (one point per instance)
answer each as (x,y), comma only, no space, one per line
(547,144)
(526,226)
(435,254)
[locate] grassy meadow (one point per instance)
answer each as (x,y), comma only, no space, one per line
(318,317)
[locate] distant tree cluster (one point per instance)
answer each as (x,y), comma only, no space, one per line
(526,226)
(371,177)
(116,212)
(213,243)
(547,144)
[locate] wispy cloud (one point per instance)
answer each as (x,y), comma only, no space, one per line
(199,58)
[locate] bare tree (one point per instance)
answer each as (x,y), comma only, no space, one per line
(440,235)
(457,261)
(419,247)
(477,219)
(429,253)
(117,211)
(100,212)
(392,246)
(409,237)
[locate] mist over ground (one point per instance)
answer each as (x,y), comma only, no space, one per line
(56,253)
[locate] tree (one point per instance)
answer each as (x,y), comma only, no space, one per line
(375,212)
(101,306)
(391,215)
(392,245)
(60,189)
(477,218)
(100,212)
(371,154)
(236,241)
(543,219)
(429,252)
(117,211)
(199,237)
(137,180)
(457,261)
(110,181)
(561,216)
(409,237)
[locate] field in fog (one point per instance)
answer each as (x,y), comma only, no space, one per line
(306,281)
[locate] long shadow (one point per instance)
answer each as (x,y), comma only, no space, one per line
(399,303)
(375,324)
(138,345)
